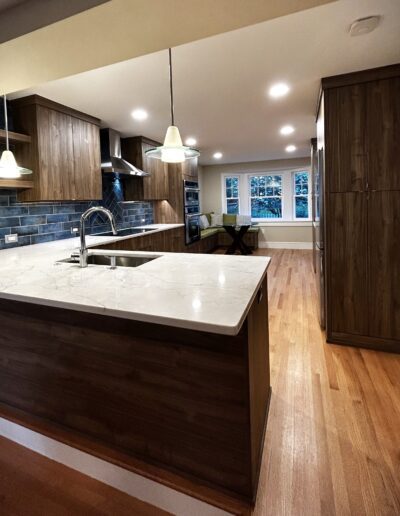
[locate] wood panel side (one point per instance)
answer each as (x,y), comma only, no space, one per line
(172,397)
(347,264)
(345,157)
(259,377)
(383,134)
(87,166)
(384,265)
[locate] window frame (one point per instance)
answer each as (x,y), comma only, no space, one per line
(224,196)
(308,195)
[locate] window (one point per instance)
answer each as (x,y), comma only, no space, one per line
(301,197)
(232,194)
(266,197)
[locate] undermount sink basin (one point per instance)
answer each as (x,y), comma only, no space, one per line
(112,260)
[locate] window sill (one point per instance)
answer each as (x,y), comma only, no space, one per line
(284,223)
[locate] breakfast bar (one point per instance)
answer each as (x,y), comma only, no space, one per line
(165,364)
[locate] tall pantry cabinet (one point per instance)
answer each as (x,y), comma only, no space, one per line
(360,114)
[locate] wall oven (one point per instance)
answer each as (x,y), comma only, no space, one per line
(191,193)
(191,203)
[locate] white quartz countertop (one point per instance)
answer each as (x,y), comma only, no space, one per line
(211,293)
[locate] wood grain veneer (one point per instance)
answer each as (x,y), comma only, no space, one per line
(190,402)
(361,148)
(64,153)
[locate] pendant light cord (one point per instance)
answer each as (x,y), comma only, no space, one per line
(6,121)
(171,91)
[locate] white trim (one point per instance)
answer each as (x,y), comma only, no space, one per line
(285,245)
(285,224)
(126,481)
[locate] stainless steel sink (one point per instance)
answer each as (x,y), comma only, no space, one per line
(112,260)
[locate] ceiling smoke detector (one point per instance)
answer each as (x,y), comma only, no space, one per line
(364,25)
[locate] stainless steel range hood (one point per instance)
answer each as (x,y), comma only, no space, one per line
(111,160)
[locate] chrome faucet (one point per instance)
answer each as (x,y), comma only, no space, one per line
(83,251)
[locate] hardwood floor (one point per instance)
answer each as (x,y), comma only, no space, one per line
(333,438)
(32,485)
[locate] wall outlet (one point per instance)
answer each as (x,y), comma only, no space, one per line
(74,230)
(11,239)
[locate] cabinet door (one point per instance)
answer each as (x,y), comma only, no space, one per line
(384,264)
(383,134)
(56,155)
(155,186)
(87,171)
(190,169)
(347,264)
(345,158)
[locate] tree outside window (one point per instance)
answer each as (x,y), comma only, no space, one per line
(266,197)
(232,195)
(301,195)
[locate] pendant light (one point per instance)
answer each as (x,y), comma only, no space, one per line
(8,165)
(173,151)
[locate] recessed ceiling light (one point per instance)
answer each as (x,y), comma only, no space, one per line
(290,148)
(279,90)
(190,142)
(139,114)
(217,155)
(286,129)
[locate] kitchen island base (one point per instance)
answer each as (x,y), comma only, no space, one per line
(191,403)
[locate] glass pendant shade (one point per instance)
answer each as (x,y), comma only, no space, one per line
(9,168)
(8,165)
(173,151)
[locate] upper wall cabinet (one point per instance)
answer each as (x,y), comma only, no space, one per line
(345,122)
(149,188)
(383,133)
(64,153)
(190,169)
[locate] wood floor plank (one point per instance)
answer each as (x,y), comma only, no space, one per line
(33,485)
(333,443)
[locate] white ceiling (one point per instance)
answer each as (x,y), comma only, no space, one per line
(221,82)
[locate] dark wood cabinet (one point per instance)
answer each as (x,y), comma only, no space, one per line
(190,169)
(345,147)
(362,222)
(384,265)
(170,240)
(149,188)
(382,130)
(171,210)
(347,279)
(64,153)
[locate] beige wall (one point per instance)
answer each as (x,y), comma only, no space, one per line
(288,234)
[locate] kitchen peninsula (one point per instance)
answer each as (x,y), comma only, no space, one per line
(164,365)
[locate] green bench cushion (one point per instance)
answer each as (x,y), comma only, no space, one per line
(208,232)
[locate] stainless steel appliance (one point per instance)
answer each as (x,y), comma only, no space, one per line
(318,229)
(111,160)
(191,202)
(191,193)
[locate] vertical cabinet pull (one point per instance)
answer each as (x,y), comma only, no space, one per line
(260,295)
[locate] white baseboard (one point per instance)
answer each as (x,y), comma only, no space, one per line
(142,488)
(285,245)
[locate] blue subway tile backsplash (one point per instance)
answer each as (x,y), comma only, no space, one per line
(44,222)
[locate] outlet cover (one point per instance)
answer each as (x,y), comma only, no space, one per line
(11,239)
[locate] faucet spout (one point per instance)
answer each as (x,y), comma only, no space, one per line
(83,251)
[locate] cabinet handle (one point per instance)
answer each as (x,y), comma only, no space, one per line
(260,295)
